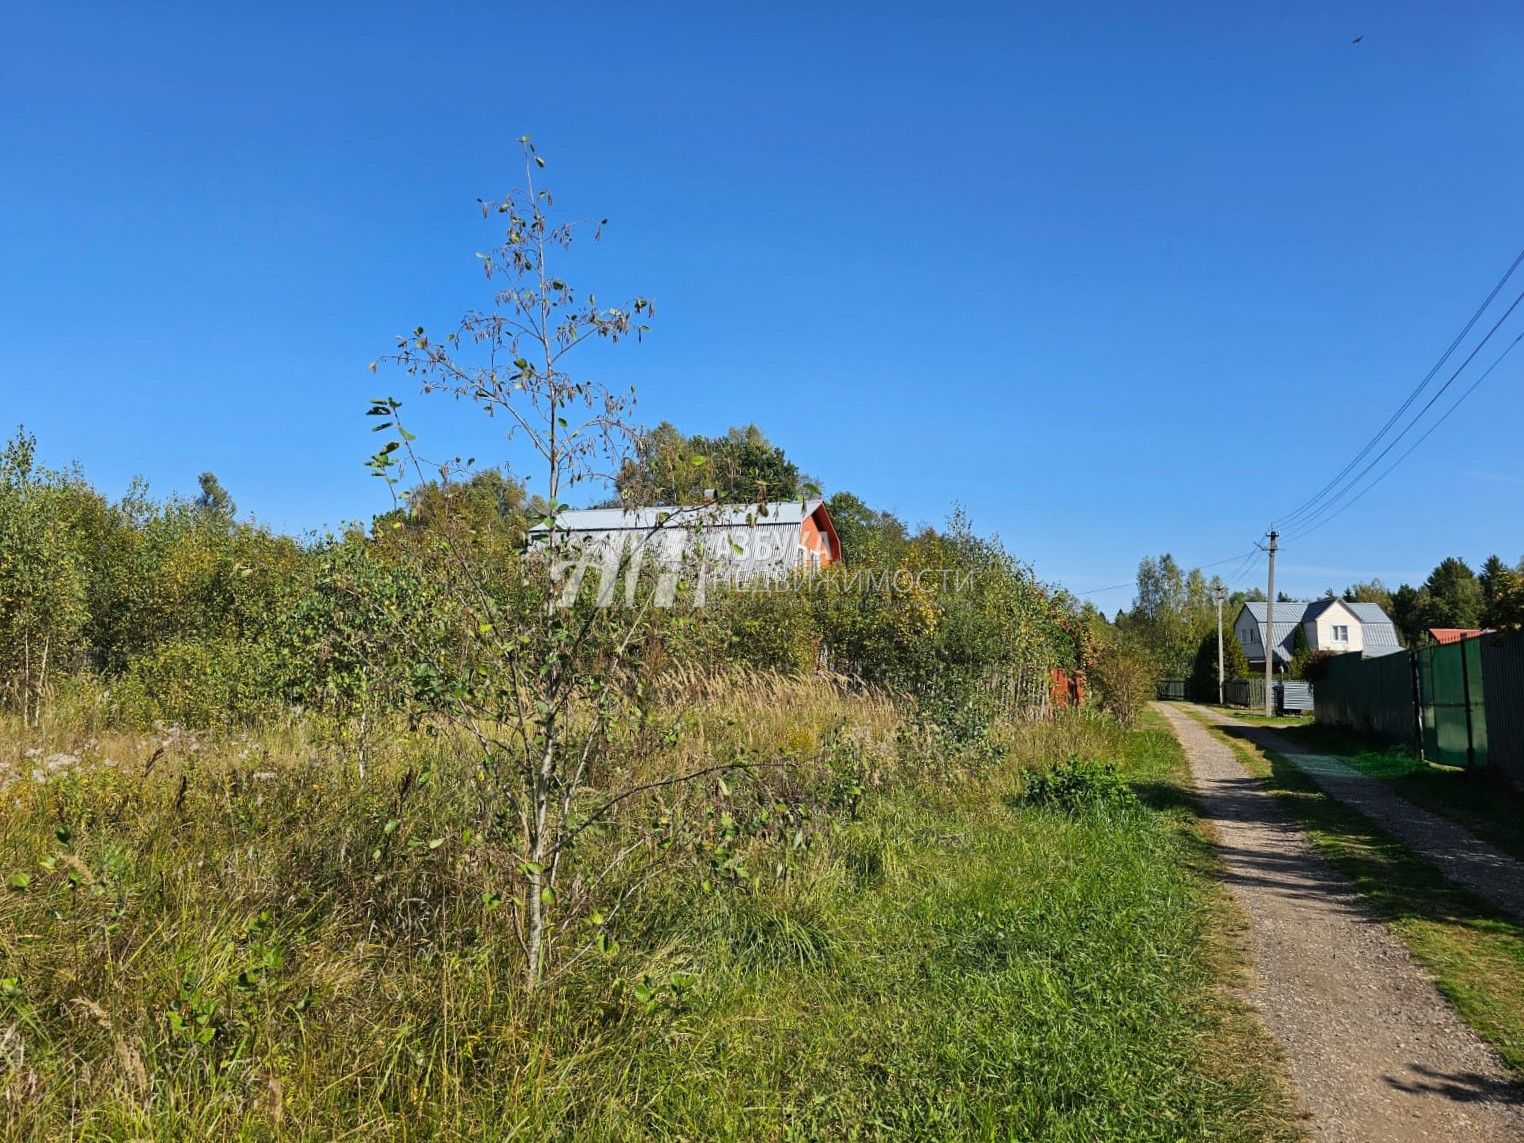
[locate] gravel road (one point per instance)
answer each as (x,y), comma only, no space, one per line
(1375,1052)
(1457,853)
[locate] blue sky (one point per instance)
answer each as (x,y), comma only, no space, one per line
(1119,278)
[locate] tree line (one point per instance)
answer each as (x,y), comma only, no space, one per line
(1172,623)
(178,611)
(1452,596)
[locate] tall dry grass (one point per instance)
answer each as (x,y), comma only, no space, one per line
(208,933)
(859,933)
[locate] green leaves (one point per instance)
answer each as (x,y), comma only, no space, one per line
(649,993)
(193,1016)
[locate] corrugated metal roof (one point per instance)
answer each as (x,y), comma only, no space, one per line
(1453,634)
(1288,617)
(1378,633)
(1318,606)
(1377,628)
(1369,613)
(778,512)
(739,544)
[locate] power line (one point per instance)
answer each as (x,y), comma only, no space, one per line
(1113,587)
(1445,416)
(1245,569)
(1308,520)
(1199,567)
(1307,505)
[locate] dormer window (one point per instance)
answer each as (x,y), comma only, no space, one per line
(1341,633)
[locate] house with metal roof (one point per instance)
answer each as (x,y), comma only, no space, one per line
(1327,624)
(699,544)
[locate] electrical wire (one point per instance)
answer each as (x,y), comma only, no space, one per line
(1244,569)
(1246,556)
(1445,416)
(1308,505)
(1329,505)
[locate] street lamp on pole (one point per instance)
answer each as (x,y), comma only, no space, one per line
(1218,595)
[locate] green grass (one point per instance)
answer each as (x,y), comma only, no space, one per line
(1013,973)
(1259,718)
(1487,807)
(955,964)
(1475,952)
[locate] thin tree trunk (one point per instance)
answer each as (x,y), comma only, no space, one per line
(538,880)
(42,681)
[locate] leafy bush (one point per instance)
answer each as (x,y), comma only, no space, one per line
(198,683)
(1123,675)
(1315,666)
(1079,787)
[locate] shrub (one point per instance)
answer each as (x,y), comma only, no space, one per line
(1078,787)
(1315,666)
(202,684)
(1204,671)
(1123,677)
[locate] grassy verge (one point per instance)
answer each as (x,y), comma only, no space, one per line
(1475,953)
(1011,972)
(210,947)
(1491,810)
(1259,718)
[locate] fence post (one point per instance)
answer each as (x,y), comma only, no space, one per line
(1416,680)
(1466,691)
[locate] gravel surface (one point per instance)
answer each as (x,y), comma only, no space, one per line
(1375,1052)
(1458,854)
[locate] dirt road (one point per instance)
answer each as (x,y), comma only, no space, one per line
(1375,1052)
(1465,859)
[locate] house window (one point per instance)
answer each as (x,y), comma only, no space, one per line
(1340,634)
(1253,635)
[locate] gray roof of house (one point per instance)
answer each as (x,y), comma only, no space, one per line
(1380,633)
(779,512)
(1377,630)
(744,541)
(1318,606)
(1288,617)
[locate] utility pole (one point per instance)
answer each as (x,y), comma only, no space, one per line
(1270,630)
(1218,595)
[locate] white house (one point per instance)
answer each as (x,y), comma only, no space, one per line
(1328,625)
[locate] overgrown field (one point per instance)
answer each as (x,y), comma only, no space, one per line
(858,937)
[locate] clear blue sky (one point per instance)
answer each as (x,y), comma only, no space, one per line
(1119,278)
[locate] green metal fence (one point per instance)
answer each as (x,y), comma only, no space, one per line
(1462,702)
(1372,696)
(1452,703)
(1503,692)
